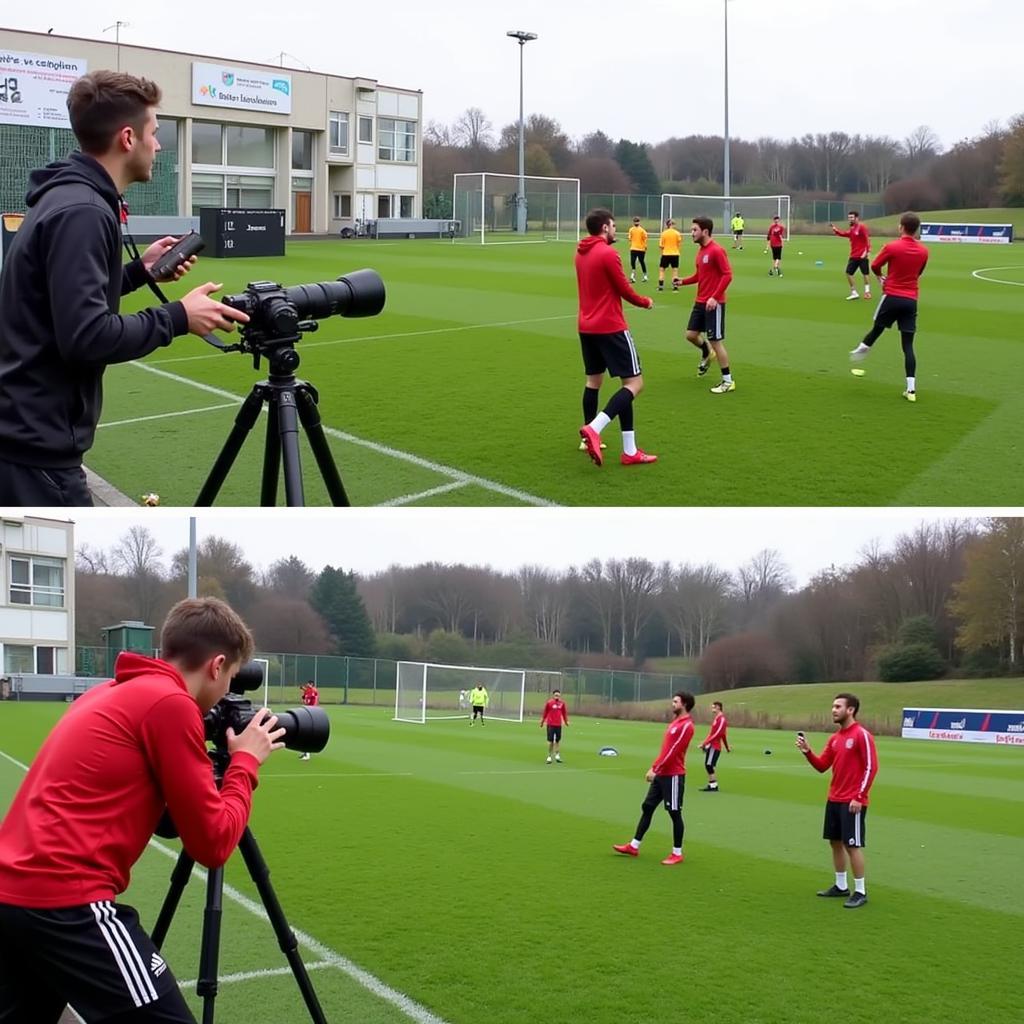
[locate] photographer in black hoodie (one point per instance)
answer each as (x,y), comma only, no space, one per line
(60,292)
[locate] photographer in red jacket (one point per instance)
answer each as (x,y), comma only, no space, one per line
(125,751)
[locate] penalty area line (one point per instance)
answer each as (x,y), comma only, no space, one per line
(977,274)
(167,415)
(458,475)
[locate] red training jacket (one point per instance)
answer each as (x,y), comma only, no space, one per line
(124,751)
(860,240)
(671,760)
(555,713)
(713,276)
(776,234)
(602,286)
(310,696)
(851,755)
(716,736)
(906,258)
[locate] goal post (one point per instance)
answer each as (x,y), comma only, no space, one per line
(486,205)
(757,212)
(424,691)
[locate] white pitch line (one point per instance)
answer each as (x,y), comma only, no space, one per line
(167,415)
(413,1010)
(995,280)
(385,337)
(408,499)
(268,972)
(382,449)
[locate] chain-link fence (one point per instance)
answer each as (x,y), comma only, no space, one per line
(371,681)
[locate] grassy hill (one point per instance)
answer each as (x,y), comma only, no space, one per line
(809,705)
(995,215)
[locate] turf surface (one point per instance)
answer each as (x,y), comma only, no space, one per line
(460,870)
(466,390)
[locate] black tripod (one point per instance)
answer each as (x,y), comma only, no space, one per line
(209,950)
(290,402)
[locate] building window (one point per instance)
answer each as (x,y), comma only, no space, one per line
(22,658)
(37,581)
(406,205)
(383,206)
(249,147)
(396,140)
(207,190)
(249,191)
(207,143)
(342,205)
(339,132)
(366,129)
(302,151)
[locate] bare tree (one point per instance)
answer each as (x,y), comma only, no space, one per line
(634,581)
(93,560)
(137,557)
(473,129)
(290,577)
(600,595)
(921,145)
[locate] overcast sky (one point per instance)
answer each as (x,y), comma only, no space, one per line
(369,540)
(642,71)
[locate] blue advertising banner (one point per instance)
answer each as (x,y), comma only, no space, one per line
(982,234)
(964,726)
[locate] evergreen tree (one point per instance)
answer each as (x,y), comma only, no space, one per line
(336,598)
(634,159)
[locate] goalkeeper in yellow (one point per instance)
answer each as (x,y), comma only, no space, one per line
(478,700)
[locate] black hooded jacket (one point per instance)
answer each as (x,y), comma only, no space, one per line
(60,291)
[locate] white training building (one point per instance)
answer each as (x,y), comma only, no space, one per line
(327,149)
(37,596)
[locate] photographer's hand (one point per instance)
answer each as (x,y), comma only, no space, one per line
(206,314)
(157,249)
(259,738)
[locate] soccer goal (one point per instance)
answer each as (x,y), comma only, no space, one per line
(487,207)
(427,691)
(757,212)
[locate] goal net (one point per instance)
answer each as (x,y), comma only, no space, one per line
(425,691)
(757,212)
(492,208)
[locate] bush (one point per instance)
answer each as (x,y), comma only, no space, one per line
(909,663)
(912,194)
(446,648)
(746,659)
(918,630)
(398,647)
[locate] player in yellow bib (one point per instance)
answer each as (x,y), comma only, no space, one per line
(637,249)
(669,245)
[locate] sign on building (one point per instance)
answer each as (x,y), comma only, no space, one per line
(217,85)
(34,88)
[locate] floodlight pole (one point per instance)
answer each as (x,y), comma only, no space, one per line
(726,182)
(523,38)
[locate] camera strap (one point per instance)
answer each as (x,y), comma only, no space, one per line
(133,253)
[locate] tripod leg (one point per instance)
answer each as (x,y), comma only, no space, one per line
(288,430)
(209,951)
(271,455)
(244,422)
(309,414)
(260,874)
(179,879)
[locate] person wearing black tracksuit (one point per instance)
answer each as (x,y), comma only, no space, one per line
(60,291)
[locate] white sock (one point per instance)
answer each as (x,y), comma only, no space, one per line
(840,879)
(713,785)
(629,442)
(858,885)
(677,850)
(862,348)
(635,843)
(910,383)
(727,377)
(599,422)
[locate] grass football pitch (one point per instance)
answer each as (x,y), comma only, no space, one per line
(447,875)
(467,389)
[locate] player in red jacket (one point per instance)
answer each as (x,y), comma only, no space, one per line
(717,737)
(712,276)
(311,698)
(123,753)
(667,778)
(605,339)
(850,753)
(902,263)
(554,716)
(860,249)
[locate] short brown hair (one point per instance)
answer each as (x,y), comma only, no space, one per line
(717,704)
(705,224)
(686,698)
(851,702)
(853,213)
(597,219)
(910,222)
(101,103)
(199,628)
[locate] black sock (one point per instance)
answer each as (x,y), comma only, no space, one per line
(705,350)
(590,403)
(626,416)
(622,399)
(873,335)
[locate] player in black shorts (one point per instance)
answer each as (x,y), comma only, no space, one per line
(605,341)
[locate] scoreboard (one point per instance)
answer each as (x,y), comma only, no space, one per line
(231,233)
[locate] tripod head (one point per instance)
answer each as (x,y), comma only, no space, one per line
(279,316)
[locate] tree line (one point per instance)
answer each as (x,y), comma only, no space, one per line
(912,172)
(947,597)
